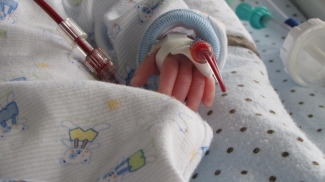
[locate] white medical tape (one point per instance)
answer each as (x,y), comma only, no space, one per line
(176,43)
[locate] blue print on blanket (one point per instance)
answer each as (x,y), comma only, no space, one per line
(7,7)
(9,122)
(77,62)
(91,39)
(204,149)
(18,79)
(80,143)
(146,10)
(9,180)
(112,32)
(131,164)
(130,73)
(52,35)
(165,98)
(181,122)
(31,78)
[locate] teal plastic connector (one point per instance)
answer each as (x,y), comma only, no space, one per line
(255,16)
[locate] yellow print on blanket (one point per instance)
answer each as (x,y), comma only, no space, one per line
(80,143)
(3,33)
(10,124)
(43,65)
(198,152)
(7,7)
(114,104)
(129,165)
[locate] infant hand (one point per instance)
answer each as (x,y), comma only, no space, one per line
(179,78)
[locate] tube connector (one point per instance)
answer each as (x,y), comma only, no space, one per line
(101,64)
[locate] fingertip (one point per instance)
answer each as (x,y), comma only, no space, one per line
(207,103)
(136,79)
(134,82)
(209,92)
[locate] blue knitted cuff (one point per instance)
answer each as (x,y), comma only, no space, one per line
(179,17)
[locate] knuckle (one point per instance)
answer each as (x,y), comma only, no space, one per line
(198,82)
(184,79)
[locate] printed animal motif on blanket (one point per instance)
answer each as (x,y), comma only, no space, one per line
(80,143)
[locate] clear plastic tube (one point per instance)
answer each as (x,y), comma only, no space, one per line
(254,14)
(273,24)
(96,60)
(275,10)
(278,14)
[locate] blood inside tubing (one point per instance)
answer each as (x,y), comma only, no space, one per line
(215,69)
(47,8)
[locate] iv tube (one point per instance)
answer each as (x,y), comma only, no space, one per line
(283,18)
(260,17)
(256,15)
(97,60)
(278,10)
(272,23)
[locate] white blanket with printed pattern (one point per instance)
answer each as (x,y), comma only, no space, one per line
(57,123)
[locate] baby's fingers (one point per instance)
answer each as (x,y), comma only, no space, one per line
(168,75)
(183,80)
(209,92)
(144,71)
(196,91)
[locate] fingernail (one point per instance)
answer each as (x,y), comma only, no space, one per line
(209,103)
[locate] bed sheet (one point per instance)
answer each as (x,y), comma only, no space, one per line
(306,107)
